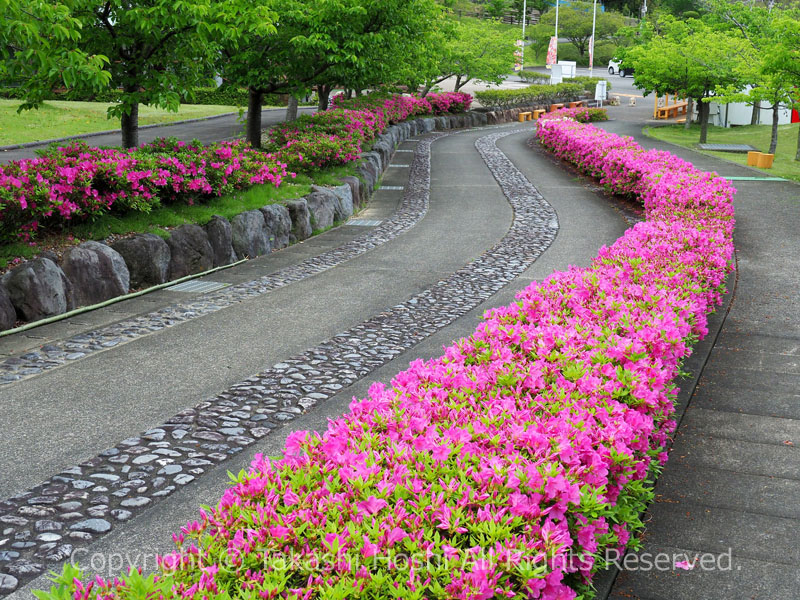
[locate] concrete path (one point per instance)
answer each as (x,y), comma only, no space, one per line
(207,131)
(402,300)
(730,493)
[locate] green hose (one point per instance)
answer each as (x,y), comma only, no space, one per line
(83,309)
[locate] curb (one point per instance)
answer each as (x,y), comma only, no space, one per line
(111,131)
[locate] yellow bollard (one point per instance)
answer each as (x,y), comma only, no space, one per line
(765,161)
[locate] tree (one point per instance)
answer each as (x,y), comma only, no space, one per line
(386,44)
(575,24)
(784,58)
(496,8)
(474,50)
(690,59)
(325,43)
(158,49)
(39,49)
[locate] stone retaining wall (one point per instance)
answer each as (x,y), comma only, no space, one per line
(94,272)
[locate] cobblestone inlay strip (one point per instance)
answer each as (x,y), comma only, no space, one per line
(50,356)
(47,523)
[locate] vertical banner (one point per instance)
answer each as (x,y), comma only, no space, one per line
(552,51)
(591,51)
(518,55)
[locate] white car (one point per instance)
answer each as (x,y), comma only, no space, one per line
(614,67)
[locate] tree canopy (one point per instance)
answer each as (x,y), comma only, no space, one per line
(39,49)
(690,59)
(472,49)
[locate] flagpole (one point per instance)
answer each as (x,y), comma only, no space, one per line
(524,19)
(591,48)
(557,23)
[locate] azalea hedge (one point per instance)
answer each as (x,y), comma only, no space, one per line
(79,182)
(509,466)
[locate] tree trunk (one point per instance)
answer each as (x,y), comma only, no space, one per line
(704,109)
(324,92)
(689,107)
(348,93)
(358,92)
(129,123)
(797,156)
(458,83)
(425,91)
(755,114)
(254,100)
(773,143)
(291,109)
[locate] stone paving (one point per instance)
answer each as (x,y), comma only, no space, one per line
(47,523)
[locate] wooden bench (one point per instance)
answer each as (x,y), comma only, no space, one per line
(538,113)
(554,107)
(525,116)
(576,104)
(671,110)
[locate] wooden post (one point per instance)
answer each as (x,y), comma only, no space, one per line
(655,108)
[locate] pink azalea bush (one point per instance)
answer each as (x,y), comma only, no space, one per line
(78,181)
(509,465)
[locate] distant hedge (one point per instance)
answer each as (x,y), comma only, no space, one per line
(588,83)
(530,96)
(534,76)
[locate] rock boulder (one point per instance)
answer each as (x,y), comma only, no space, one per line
(301,219)
(279,224)
(8,315)
(220,236)
(250,235)
(147,257)
(97,272)
(190,251)
(38,288)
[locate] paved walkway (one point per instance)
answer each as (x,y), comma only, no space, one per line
(207,131)
(731,489)
(418,292)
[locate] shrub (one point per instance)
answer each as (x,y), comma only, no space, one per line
(582,114)
(534,76)
(530,96)
(510,464)
(589,83)
(77,181)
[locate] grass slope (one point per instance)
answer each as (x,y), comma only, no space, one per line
(754,135)
(57,118)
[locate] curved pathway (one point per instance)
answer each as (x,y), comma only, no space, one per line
(206,357)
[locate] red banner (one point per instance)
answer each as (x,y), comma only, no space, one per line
(552,51)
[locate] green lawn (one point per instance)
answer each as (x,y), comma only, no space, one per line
(754,135)
(59,118)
